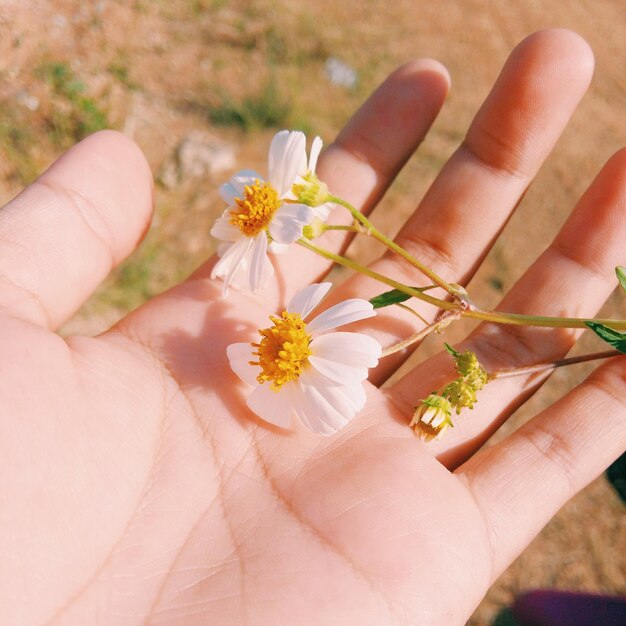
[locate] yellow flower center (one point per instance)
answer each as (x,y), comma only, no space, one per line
(283,351)
(255,210)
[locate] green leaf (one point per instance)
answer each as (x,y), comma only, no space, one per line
(616,473)
(450,350)
(621,276)
(388,298)
(612,337)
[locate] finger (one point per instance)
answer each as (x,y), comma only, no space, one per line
(474,195)
(520,483)
(365,158)
(572,278)
(62,235)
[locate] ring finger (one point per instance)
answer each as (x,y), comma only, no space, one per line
(572,278)
(471,200)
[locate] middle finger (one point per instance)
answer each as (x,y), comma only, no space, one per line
(472,198)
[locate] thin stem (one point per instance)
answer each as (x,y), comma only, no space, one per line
(443,320)
(357,267)
(392,245)
(410,310)
(351,228)
(545,367)
(538,320)
(486,316)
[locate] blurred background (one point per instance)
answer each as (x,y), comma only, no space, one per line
(202,85)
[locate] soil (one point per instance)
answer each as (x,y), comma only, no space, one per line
(160,70)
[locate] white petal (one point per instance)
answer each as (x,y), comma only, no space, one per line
(300,212)
(307,413)
(231,260)
(353,349)
(348,399)
(239,356)
(344,357)
(316,148)
(241,277)
(357,396)
(275,407)
(258,260)
(316,411)
(288,221)
(224,230)
(287,159)
(234,188)
(428,416)
(228,252)
(307,299)
(437,419)
(339,372)
(343,313)
(278,248)
(323,210)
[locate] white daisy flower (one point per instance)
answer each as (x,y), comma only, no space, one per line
(304,368)
(262,214)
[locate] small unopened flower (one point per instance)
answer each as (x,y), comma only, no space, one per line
(314,229)
(432,417)
(461,394)
(309,189)
(467,365)
(300,367)
(262,215)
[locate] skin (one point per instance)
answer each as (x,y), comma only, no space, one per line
(136,488)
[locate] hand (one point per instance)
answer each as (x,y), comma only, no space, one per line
(136,488)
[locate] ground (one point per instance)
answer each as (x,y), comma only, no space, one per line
(159,70)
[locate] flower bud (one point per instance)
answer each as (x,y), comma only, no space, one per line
(460,393)
(311,190)
(433,417)
(314,229)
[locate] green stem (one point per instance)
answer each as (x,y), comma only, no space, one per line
(546,367)
(486,316)
(392,245)
(410,310)
(357,267)
(518,319)
(351,228)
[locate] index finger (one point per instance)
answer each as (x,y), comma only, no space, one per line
(363,161)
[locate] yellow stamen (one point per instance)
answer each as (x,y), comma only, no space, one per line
(283,351)
(255,210)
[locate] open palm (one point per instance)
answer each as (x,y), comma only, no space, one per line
(136,488)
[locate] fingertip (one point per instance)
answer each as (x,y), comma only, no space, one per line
(389,126)
(110,172)
(425,70)
(596,227)
(612,180)
(566,49)
(616,165)
(536,93)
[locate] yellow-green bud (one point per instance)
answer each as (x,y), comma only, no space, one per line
(312,191)
(466,362)
(470,369)
(314,229)
(460,393)
(477,378)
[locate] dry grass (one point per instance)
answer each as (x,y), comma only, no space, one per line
(238,69)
